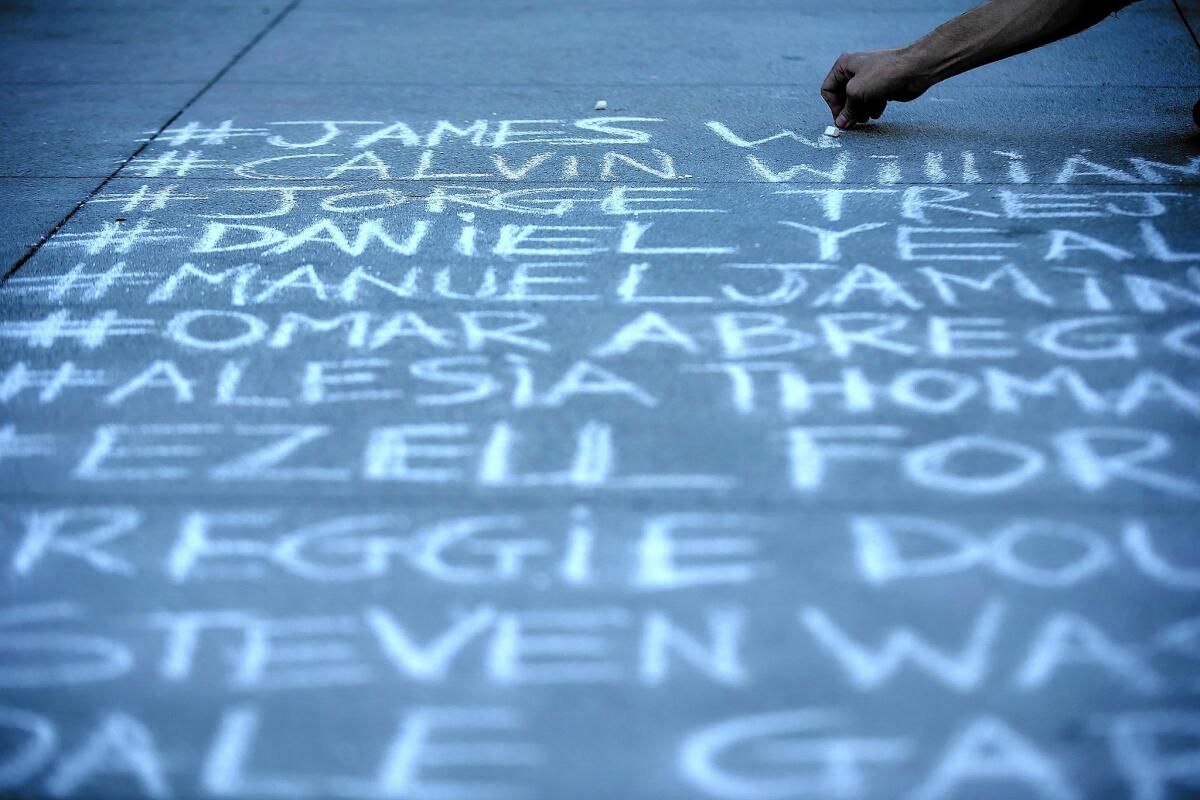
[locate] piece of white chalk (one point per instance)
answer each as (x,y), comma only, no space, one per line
(601,105)
(833,131)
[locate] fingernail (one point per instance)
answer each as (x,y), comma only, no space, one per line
(841,121)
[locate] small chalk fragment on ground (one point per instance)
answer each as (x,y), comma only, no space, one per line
(601,105)
(833,131)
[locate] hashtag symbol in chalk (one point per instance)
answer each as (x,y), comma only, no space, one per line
(19,445)
(146,198)
(196,133)
(90,333)
(115,237)
(171,165)
(52,382)
(78,283)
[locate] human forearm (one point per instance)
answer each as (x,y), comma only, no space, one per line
(999,29)
(860,85)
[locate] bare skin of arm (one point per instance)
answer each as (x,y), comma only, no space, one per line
(860,85)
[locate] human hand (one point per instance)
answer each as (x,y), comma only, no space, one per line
(860,85)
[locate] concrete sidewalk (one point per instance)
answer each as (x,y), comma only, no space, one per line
(380,420)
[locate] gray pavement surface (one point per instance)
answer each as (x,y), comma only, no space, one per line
(378,420)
